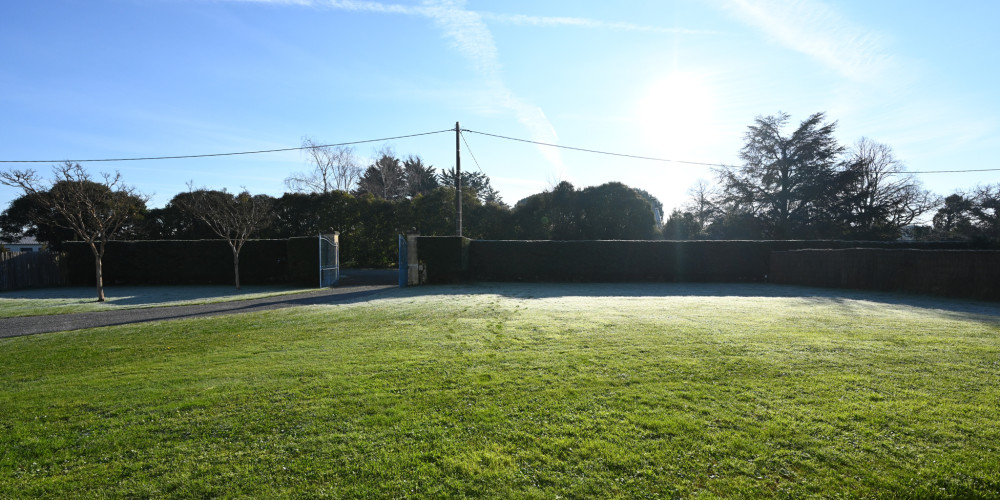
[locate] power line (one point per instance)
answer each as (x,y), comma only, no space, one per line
(573,148)
(723,165)
(625,155)
(473,155)
(942,171)
(178,157)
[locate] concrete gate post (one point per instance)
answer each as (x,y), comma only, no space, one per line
(412,262)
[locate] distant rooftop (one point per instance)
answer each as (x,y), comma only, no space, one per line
(26,240)
(22,241)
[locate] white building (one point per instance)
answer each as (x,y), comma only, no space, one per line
(25,244)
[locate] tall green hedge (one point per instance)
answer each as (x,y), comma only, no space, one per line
(446,258)
(617,260)
(174,262)
(303,260)
(953,273)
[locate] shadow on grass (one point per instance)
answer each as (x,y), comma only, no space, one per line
(166,294)
(134,295)
(279,302)
(29,325)
(364,290)
(821,296)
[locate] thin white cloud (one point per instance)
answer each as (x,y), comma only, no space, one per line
(377,7)
(581,22)
(817,30)
(468,34)
(472,39)
(515,19)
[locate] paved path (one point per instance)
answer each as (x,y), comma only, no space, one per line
(15,327)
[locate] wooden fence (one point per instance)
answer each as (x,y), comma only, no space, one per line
(29,270)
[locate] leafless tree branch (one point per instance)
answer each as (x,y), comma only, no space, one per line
(95,211)
(333,168)
(233,217)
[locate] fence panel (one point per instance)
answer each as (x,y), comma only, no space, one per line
(29,270)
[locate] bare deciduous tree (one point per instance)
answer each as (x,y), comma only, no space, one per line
(385,177)
(96,211)
(333,168)
(235,218)
(880,197)
(702,204)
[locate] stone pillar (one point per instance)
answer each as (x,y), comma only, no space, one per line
(412,262)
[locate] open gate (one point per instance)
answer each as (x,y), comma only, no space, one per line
(329,259)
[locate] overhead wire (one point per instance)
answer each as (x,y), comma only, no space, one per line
(943,171)
(706,164)
(178,157)
(609,153)
(473,155)
(529,141)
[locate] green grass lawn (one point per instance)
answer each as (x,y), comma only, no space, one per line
(65,300)
(539,391)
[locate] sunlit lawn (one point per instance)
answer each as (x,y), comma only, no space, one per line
(588,391)
(66,300)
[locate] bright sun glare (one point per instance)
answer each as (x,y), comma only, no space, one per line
(676,115)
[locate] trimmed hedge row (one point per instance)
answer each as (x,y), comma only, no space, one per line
(177,262)
(617,261)
(953,273)
(446,258)
(303,260)
(620,260)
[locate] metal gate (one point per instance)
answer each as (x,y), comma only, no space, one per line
(329,259)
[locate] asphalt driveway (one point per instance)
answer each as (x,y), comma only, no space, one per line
(353,286)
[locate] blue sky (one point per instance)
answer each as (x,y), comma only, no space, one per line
(669,79)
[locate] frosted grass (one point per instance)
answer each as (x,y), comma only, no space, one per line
(66,300)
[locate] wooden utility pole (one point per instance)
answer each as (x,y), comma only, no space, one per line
(458,181)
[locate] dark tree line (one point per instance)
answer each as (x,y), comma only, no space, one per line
(967,216)
(797,184)
(391,197)
(803,184)
(388,177)
(611,211)
(392,178)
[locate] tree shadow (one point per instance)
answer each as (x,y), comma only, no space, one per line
(30,325)
(165,295)
(265,304)
(143,295)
